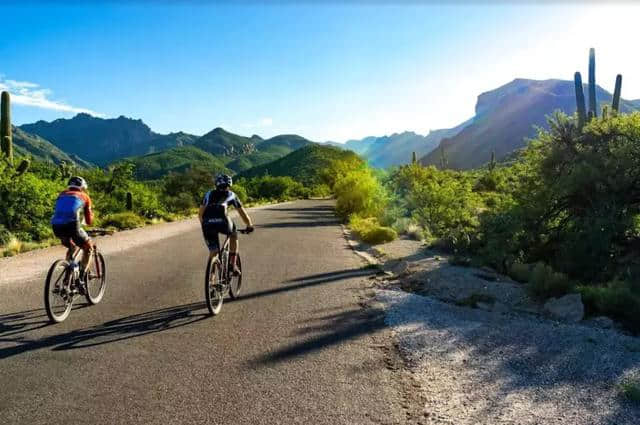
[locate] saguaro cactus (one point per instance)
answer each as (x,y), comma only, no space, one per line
(23,167)
(615,104)
(492,162)
(414,158)
(592,82)
(5,127)
(129,201)
(582,110)
(443,158)
(65,170)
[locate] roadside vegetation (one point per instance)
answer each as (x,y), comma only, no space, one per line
(561,216)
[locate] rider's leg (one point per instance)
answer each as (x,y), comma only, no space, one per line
(213,253)
(233,243)
(87,255)
(233,253)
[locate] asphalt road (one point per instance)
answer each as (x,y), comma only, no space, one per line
(295,348)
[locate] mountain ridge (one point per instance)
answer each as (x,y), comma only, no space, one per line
(506,117)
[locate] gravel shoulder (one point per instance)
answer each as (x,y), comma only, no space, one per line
(510,366)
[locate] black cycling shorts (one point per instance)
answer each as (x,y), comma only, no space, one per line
(211,229)
(71,233)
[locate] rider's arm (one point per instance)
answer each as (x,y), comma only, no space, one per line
(245,216)
(201,212)
(88,212)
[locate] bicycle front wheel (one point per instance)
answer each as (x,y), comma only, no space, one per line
(58,297)
(96,280)
(236,281)
(212,288)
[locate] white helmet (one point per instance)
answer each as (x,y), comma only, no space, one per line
(77,182)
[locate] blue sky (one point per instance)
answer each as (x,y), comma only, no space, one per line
(325,71)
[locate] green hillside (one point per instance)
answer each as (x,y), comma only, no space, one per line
(304,165)
(220,142)
(35,146)
(269,151)
(156,165)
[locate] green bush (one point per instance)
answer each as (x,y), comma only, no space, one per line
(544,282)
(359,192)
(369,230)
(618,300)
(5,236)
(123,220)
(380,235)
(520,272)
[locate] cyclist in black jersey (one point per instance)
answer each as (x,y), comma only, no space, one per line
(215,219)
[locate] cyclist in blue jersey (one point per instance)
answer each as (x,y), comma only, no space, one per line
(214,218)
(72,209)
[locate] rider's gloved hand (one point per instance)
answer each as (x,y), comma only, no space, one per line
(250,229)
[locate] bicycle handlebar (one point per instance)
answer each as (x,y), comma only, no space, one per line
(99,232)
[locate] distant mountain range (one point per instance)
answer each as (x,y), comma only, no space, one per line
(504,119)
(87,140)
(398,148)
(507,116)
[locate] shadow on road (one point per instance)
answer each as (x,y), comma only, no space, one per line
(315,209)
(309,281)
(116,330)
(306,223)
(327,331)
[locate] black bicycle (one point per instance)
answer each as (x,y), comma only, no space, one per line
(63,282)
(219,280)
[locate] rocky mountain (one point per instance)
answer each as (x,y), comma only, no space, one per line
(507,116)
(304,165)
(101,140)
(35,146)
(398,148)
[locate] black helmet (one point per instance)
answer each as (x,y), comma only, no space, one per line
(223,181)
(77,182)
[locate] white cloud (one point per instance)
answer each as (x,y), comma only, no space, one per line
(266,122)
(31,94)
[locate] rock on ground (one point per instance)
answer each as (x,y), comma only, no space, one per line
(568,308)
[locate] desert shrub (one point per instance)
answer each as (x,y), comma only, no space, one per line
(184,191)
(123,220)
(617,299)
(572,200)
(520,272)
(630,389)
(544,282)
(271,188)
(320,191)
(359,192)
(240,190)
(370,231)
(407,226)
(442,201)
(5,235)
(27,204)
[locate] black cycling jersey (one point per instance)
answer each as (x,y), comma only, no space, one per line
(216,203)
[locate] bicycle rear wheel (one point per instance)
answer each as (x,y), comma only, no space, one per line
(96,280)
(236,281)
(212,291)
(58,298)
